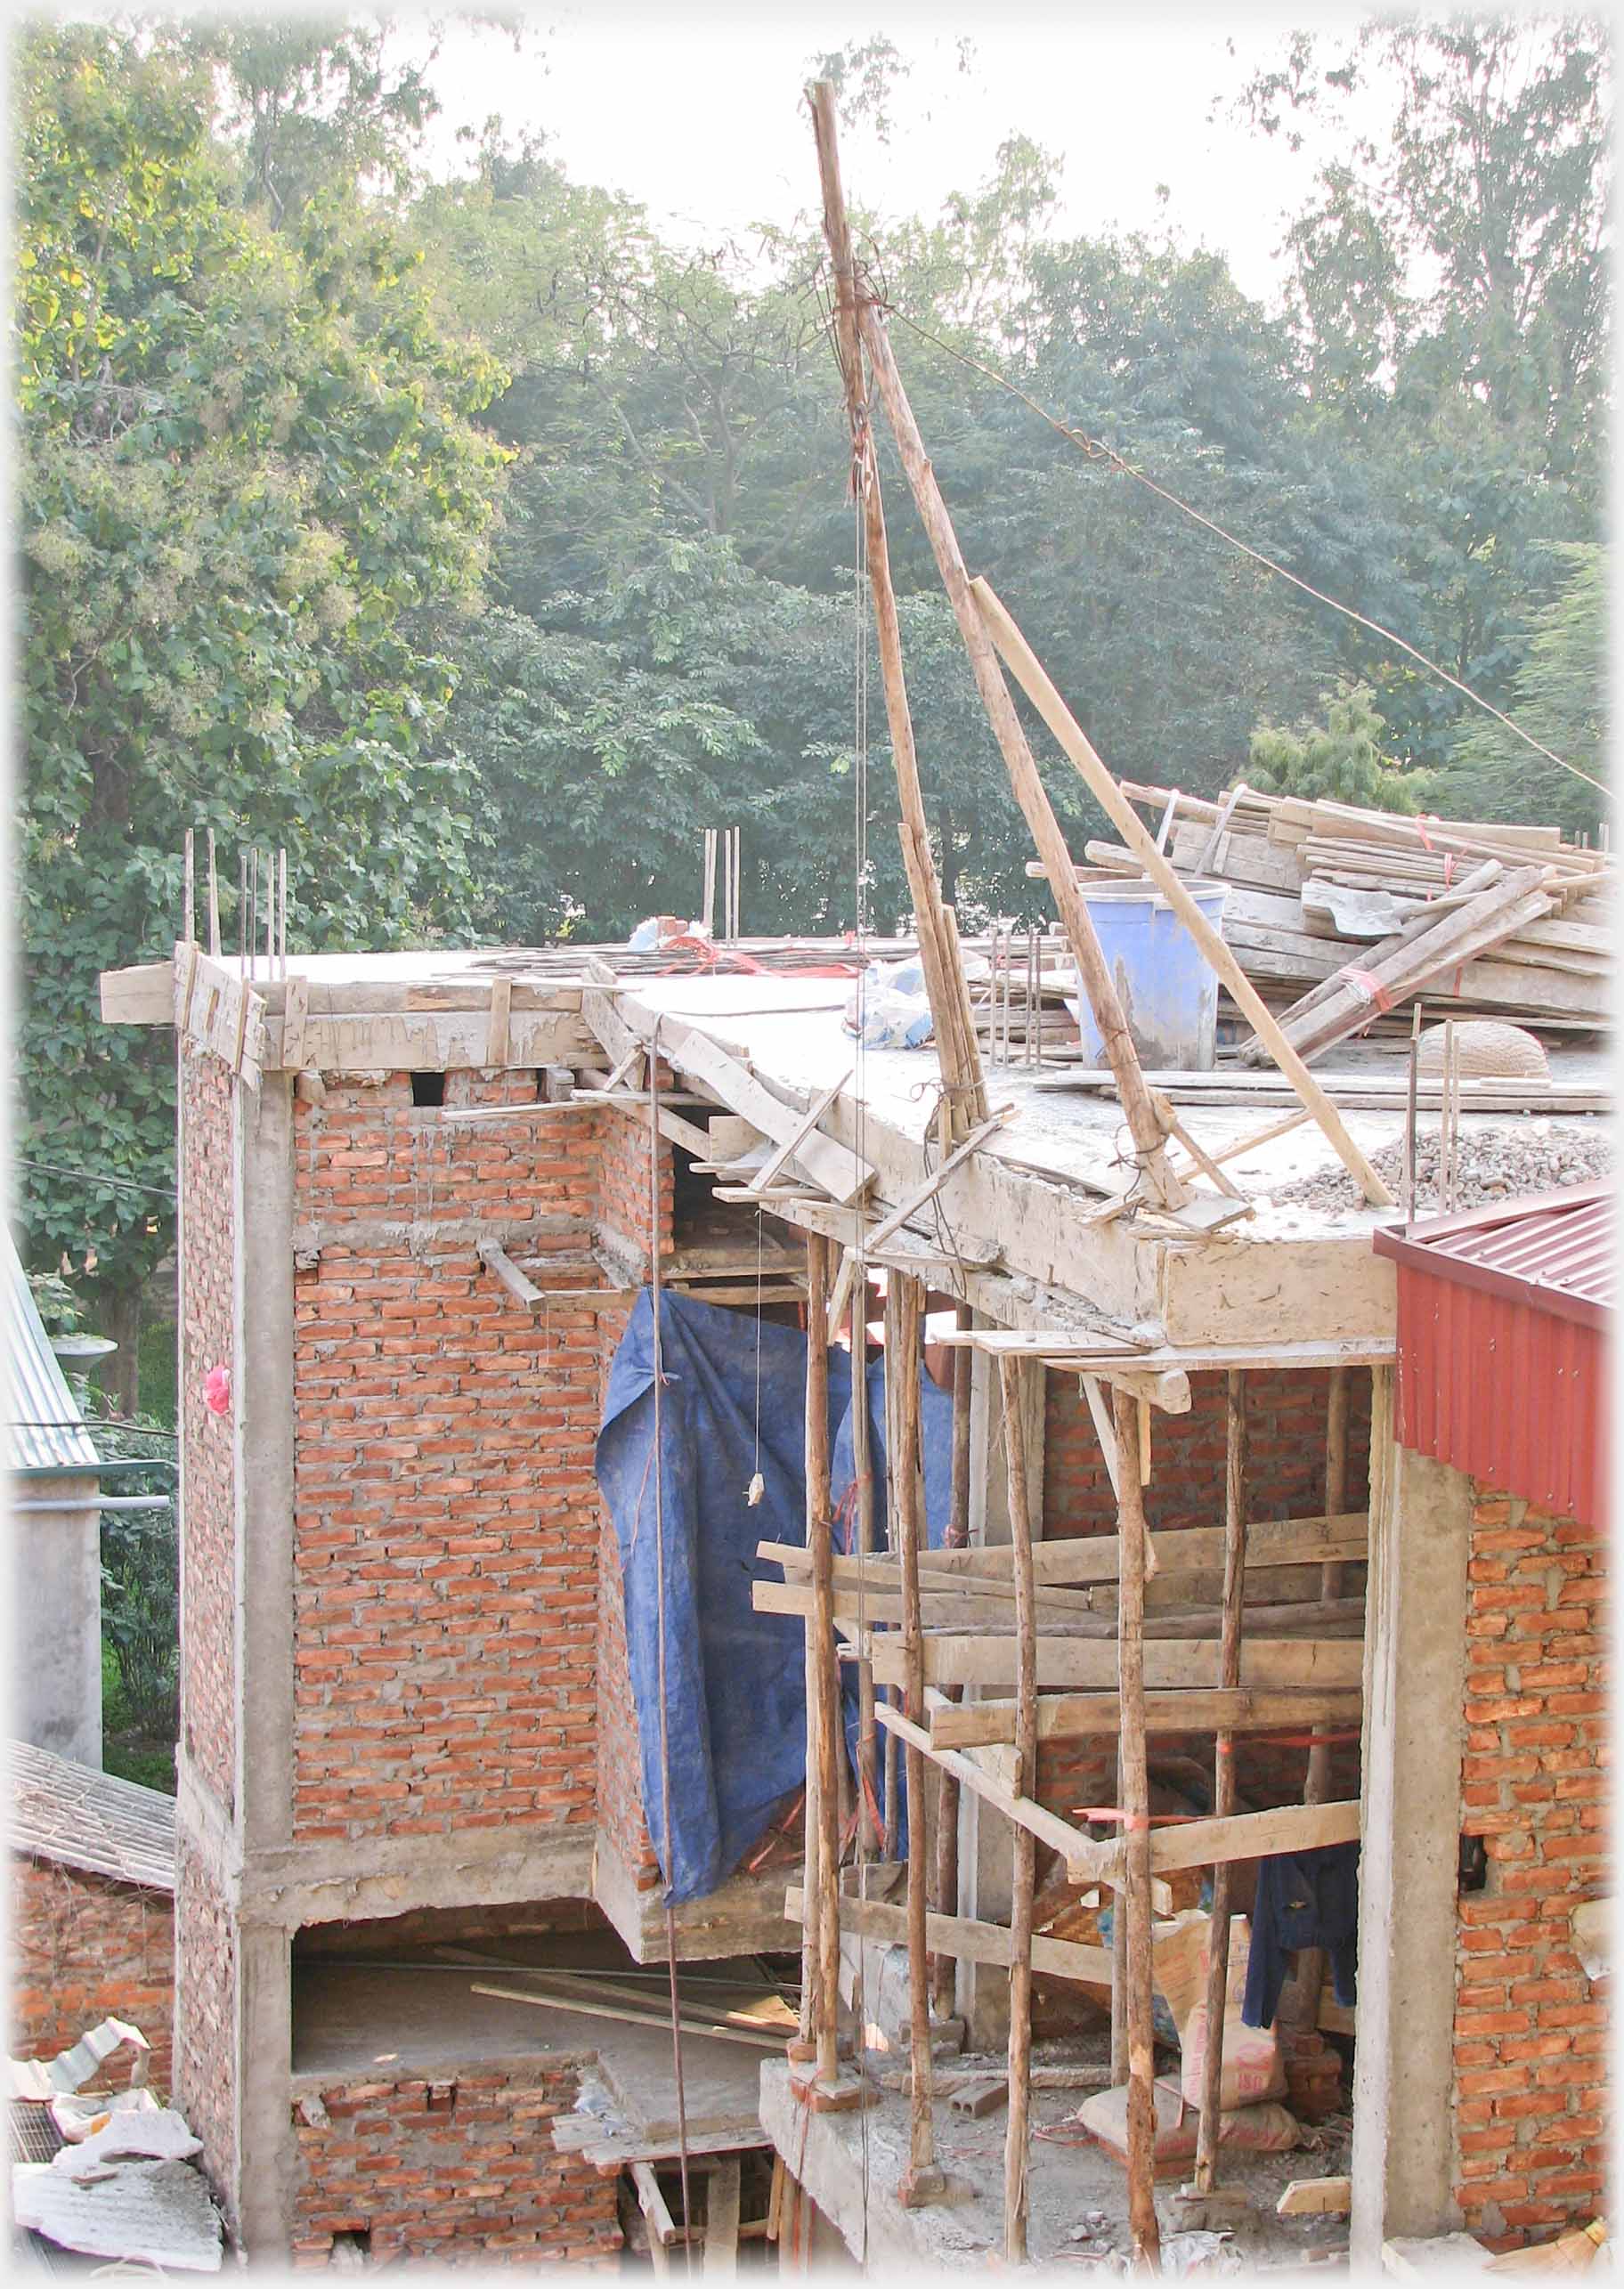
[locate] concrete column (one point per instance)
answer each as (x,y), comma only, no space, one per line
(262,1367)
(266,2146)
(986,1841)
(56,1614)
(1414,1736)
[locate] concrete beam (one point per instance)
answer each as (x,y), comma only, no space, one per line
(1403,2164)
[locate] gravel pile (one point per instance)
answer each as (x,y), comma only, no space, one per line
(1494,1165)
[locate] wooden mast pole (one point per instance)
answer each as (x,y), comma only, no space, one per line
(923,2180)
(945,985)
(1223,1778)
(862,1471)
(1017,2149)
(1144,1125)
(1133,1894)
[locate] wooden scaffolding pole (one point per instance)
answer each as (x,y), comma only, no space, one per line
(868,1828)
(945,985)
(1133,1894)
(946,1888)
(1017,2149)
(1300,2007)
(922,2181)
(824,1712)
(1223,1777)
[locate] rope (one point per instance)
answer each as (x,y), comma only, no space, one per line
(1094,448)
(665,1746)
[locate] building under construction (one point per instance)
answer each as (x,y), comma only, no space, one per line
(905,1653)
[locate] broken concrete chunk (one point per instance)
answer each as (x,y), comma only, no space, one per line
(1593,1937)
(148,2213)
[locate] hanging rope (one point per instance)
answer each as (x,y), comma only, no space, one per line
(859,1284)
(1094,448)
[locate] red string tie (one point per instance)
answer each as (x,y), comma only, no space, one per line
(1369,988)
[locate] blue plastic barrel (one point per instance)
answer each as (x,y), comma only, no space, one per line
(1168,991)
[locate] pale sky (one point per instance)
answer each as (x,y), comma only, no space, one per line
(698,114)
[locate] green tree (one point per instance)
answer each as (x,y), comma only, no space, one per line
(1340,759)
(253,504)
(1559,697)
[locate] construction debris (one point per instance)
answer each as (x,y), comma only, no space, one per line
(42,2080)
(1499,1163)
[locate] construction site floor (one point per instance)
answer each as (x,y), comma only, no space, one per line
(850,2165)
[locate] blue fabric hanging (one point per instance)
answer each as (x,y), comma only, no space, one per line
(734,1679)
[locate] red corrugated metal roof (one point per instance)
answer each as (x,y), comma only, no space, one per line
(1501,1319)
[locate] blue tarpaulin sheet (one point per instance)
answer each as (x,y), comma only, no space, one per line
(733,1390)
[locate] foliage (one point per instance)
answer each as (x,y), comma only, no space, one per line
(1340,759)
(253,505)
(140,1606)
(1559,697)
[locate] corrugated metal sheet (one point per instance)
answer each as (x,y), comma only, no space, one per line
(90,1819)
(1502,1321)
(47,1430)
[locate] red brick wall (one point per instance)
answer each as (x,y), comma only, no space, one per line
(85,1948)
(206,2050)
(208,1675)
(1531,2032)
(462,2171)
(446,1514)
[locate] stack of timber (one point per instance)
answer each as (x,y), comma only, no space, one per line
(1325,897)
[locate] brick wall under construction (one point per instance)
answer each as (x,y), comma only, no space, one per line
(447,1516)
(453,2170)
(1531,2027)
(85,1948)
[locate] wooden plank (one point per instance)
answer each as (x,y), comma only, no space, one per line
(497,1031)
(1223,1775)
(416,1041)
(964,1936)
(1097,1716)
(722,2219)
(1094,1557)
(496,1259)
(787,1150)
(1030,675)
(841,1172)
(141,995)
(1170,1662)
(578,2005)
(1082,1854)
(1255,1835)
(1316,2197)
(939,1176)
(296,1008)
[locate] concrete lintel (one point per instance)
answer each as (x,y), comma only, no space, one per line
(1414,1733)
(429,1236)
(393,1875)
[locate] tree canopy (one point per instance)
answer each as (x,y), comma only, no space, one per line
(482,545)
